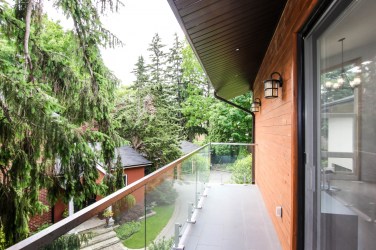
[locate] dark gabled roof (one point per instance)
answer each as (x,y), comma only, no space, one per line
(229,37)
(187,147)
(130,157)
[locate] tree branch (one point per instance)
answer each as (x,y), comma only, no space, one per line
(5,111)
(27,37)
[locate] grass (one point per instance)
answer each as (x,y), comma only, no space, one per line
(154,226)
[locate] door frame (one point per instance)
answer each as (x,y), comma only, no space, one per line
(325,12)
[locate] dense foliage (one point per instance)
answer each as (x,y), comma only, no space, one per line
(163,194)
(171,100)
(126,230)
(54,89)
(161,244)
(229,124)
(148,110)
(241,170)
(69,242)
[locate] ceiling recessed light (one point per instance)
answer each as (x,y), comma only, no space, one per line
(237,49)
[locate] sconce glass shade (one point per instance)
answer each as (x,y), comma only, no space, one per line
(271,86)
(255,105)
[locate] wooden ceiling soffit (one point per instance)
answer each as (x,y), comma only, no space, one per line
(229,37)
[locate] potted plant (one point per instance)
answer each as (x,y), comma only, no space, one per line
(65,213)
(107,215)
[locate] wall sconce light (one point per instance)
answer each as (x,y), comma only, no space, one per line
(255,105)
(271,86)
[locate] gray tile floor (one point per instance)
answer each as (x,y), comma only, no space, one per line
(233,217)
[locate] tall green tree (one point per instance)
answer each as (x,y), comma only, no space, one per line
(197,110)
(54,87)
(147,112)
(140,71)
(157,56)
(196,105)
(149,127)
(174,72)
(228,123)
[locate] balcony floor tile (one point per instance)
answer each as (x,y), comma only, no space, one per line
(233,217)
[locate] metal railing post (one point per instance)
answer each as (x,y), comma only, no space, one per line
(198,196)
(190,212)
(177,234)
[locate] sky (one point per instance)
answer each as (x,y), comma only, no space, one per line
(135,24)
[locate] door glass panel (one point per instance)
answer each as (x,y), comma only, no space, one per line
(346,129)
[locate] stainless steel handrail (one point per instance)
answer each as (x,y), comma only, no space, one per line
(60,228)
(233,143)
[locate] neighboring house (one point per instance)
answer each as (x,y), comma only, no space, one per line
(186,147)
(134,166)
(133,163)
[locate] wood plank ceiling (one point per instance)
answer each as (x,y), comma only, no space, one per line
(230,38)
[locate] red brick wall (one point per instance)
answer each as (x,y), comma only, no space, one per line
(276,123)
(59,208)
(46,217)
(134,174)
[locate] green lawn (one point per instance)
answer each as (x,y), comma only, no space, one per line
(154,226)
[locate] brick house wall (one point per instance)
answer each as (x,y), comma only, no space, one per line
(59,209)
(276,123)
(135,174)
(38,220)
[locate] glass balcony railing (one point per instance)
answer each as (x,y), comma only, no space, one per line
(231,163)
(153,212)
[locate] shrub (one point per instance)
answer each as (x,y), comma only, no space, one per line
(139,210)
(65,213)
(128,229)
(242,169)
(69,242)
(133,214)
(163,194)
(161,244)
(121,207)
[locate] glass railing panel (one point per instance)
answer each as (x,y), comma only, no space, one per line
(114,226)
(130,227)
(231,163)
(173,198)
(162,207)
(202,162)
(125,217)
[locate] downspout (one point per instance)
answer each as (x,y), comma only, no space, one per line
(253,129)
(232,104)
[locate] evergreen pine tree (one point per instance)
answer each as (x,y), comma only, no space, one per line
(174,74)
(141,75)
(54,90)
(158,60)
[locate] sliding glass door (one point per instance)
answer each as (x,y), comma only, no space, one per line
(340,94)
